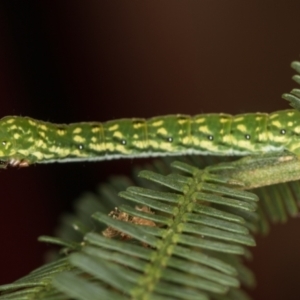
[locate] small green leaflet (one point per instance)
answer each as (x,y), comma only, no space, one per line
(25,141)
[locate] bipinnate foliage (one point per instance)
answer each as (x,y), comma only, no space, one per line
(178,236)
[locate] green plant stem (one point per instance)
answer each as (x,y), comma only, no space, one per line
(265,170)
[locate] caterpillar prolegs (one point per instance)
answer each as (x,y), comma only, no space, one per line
(24,141)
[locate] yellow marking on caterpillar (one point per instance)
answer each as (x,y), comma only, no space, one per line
(239,119)
(79,139)
(160,145)
(42,134)
(200,120)
(122,149)
(297,129)
(274,115)
(227,139)
(270,136)
(167,147)
(77,130)
(62,152)
(276,124)
(182,121)
(162,131)
(97,147)
(95,129)
(154,144)
(111,147)
(16,136)
(157,123)
(223,120)
(10,121)
(245,144)
(118,134)
(138,125)
(186,140)
(41,144)
(61,132)
(206,144)
(114,127)
(31,122)
(48,156)
(38,154)
(24,152)
(263,136)
(242,128)
(204,129)
(42,126)
(139,144)
(77,153)
(279,138)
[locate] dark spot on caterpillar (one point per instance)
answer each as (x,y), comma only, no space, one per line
(283,131)
(137,122)
(96,126)
(80,147)
(182,118)
(170,139)
(3,143)
(247,136)
(210,137)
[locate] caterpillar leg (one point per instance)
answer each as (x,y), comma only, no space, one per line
(13,162)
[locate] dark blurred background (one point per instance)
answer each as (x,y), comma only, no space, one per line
(68,61)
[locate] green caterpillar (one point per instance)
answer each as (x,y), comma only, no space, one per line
(24,141)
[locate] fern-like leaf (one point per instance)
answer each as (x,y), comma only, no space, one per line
(177,241)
